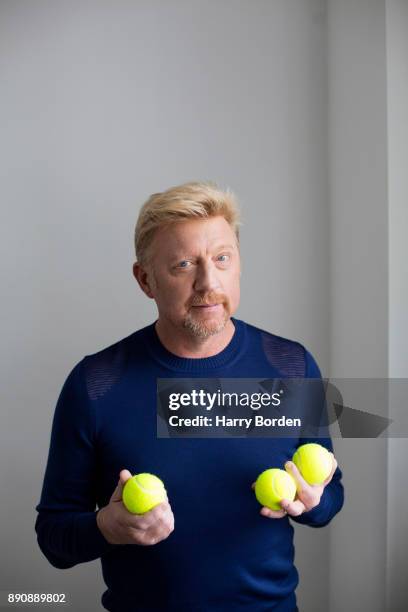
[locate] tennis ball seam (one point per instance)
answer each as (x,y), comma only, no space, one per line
(156,487)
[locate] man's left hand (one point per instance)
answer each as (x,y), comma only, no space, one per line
(307,496)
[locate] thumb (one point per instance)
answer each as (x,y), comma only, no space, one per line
(123,478)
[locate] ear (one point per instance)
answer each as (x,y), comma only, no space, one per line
(144,278)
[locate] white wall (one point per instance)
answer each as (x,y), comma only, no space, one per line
(104,103)
(359,286)
(287,103)
(397,98)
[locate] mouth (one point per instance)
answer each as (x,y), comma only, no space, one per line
(208,306)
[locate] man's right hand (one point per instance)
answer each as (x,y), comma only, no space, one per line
(119,526)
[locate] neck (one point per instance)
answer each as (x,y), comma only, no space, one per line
(183,344)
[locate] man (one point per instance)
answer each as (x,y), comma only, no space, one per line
(207,548)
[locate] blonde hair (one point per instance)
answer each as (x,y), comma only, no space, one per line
(194,200)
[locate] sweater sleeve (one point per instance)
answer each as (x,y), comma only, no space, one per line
(66,527)
(332,499)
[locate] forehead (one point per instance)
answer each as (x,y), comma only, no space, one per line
(194,234)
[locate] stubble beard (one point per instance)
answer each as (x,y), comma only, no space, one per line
(204,328)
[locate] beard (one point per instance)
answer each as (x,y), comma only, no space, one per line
(205,329)
(202,327)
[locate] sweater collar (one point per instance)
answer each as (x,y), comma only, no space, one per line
(224,358)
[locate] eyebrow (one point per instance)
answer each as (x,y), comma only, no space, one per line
(225,246)
(184,254)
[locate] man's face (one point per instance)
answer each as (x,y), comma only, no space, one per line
(196,273)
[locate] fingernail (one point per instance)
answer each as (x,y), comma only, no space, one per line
(288,465)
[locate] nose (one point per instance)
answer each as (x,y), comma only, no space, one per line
(206,279)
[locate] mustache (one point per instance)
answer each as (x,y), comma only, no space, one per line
(208,300)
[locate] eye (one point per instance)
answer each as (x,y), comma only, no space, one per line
(184,263)
(223,258)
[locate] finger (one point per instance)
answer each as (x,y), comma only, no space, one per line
(253,485)
(125,475)
(334,468)
(272,513)
(294,508)
(147,538)
(159,512)
(159,533)
(301,484)
(150,518)
(123,478)
(154,534)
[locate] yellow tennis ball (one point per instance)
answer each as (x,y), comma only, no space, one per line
(314,462)
(143,492)
(272,486)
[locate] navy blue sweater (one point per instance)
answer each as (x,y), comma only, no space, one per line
(222,555)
